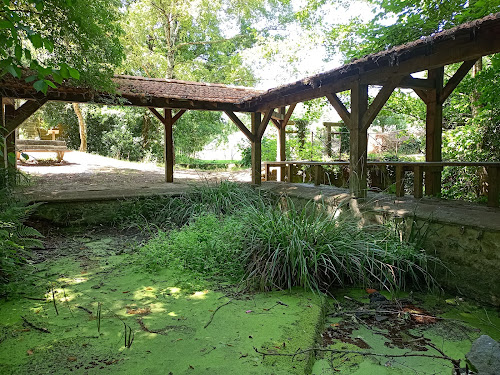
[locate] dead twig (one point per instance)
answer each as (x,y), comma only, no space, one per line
(84,309)
(217,309)
(54,300)
(29,324)
(336,351)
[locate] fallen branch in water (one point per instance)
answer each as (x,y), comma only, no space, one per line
(84,309)
(455,362)
(29,324)
(217,309)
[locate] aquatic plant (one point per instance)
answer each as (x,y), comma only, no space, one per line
(313,249)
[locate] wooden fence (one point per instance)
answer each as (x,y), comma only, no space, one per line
(492,170)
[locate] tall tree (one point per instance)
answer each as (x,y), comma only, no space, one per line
(60,39)
(198,41)
(82,127)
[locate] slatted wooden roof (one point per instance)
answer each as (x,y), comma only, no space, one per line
(465,42)
(141,91)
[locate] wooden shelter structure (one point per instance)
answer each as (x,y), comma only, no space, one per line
(388,69)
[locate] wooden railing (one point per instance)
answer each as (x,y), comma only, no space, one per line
(418,169)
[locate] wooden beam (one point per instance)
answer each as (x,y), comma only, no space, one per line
(162,119)
(16,117)
(358,141)
(264,123)
(456,79)
(276,123)
(157,114)
(340,108)
(178,115)
(422,94)
(379,101)
(288,114)
(240,125)
(465,44)
(434,132)
(408,82)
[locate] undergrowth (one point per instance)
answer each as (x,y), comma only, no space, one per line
(233,232)
(15,238)
(209,246)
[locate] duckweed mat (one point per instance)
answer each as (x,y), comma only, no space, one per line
(88,309)
(367,332)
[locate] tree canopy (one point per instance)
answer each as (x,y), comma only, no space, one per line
(60,39)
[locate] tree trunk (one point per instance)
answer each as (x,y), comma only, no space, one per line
(83,128)
(478,66)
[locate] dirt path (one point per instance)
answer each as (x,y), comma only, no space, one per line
(82,172)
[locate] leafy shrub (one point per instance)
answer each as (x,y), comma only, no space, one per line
(209,246)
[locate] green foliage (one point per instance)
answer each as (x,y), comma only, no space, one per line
(222,198)
(209,246)
(60,39)
(308,248)
(126,133)
(398,22)
(269,149)
(233,231)
(15,237)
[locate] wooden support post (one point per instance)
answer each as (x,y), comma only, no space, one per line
(434,132)
(417,181)
(281,153)
(256,149)
(493,186)
(169,146)
(267,172)
(289,172)
(169,155)
(358,141)
(329,139)
(400,192)
(318,174)
(10,147)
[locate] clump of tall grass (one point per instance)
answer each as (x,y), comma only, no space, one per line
(220,198)
(230,230)
(288,247)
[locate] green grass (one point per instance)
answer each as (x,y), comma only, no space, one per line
(287,247)
(207,246)
(231,230)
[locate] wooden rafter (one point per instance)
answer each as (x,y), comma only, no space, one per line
(409,82)
(379,101)
(466,42)
(456,79)
(164,119)
(340,108)
(240,125)
(288,114)
(15,118)
(263,125)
